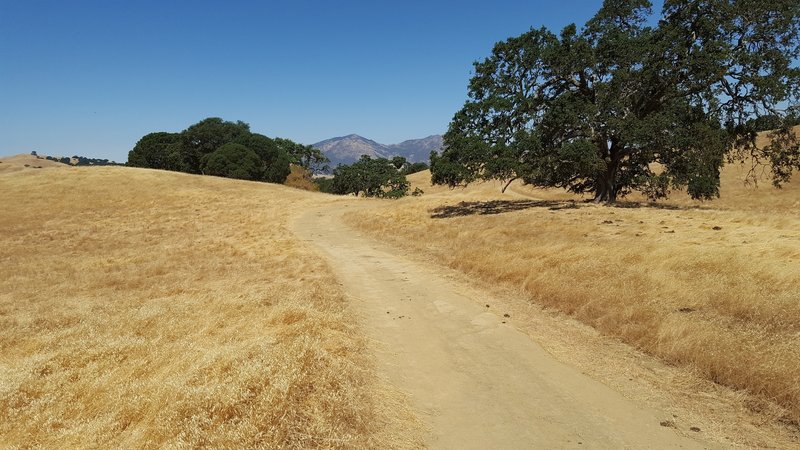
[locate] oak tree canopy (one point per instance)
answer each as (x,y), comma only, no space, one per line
(633,101)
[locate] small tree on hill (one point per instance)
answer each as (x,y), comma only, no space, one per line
(371,178)
(621,105)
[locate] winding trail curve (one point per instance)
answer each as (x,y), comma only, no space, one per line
(476,381)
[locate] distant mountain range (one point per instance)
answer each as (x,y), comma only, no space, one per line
(348,149)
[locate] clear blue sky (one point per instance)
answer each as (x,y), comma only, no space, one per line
(92,77)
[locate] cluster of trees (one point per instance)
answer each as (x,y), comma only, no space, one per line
(84,161)
(372,177)
(633,102)
(62,159)
(407,168)
(78,160)
(770,122)
(228,149)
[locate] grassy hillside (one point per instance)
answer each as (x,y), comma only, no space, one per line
(147,308)
(26,162)
(712,287)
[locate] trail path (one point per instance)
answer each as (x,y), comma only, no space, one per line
(476,381)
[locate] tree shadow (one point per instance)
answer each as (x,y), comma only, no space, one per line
(653,205)
(503,206)
(497,207)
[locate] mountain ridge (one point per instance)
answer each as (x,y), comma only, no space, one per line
(348,149)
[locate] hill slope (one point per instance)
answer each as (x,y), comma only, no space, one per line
(145,308)
(156,308)
(417,150)
(707,286)
(26,161)
(348,149)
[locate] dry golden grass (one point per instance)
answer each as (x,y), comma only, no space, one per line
(26,162)
(152,309)
(300,178)
(713,288)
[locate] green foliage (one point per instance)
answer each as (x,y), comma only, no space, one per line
(157,151)
(772,122)
(198,149)
(207,136)
(766,123)
(371,178)
(592,110)
(274,162)
(233,161)
(399,162)
(63,159)
(325,184)
(305,156)
(84,161)
(414,168)
(406,168)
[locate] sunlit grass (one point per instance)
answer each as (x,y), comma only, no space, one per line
(146,308)
(712,287)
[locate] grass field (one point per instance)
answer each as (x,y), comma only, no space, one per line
(711,287)
(144,308)
(153,309)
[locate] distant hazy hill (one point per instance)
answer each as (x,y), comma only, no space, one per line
(347,149)
(416,150)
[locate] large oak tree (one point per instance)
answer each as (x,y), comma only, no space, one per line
(632,101)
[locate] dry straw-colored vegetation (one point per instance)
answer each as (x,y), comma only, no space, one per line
(712,287)
(300,178)
(152,309)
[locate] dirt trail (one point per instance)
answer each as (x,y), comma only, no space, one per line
(475,381)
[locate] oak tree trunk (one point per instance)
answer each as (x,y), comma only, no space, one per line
(606,187)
